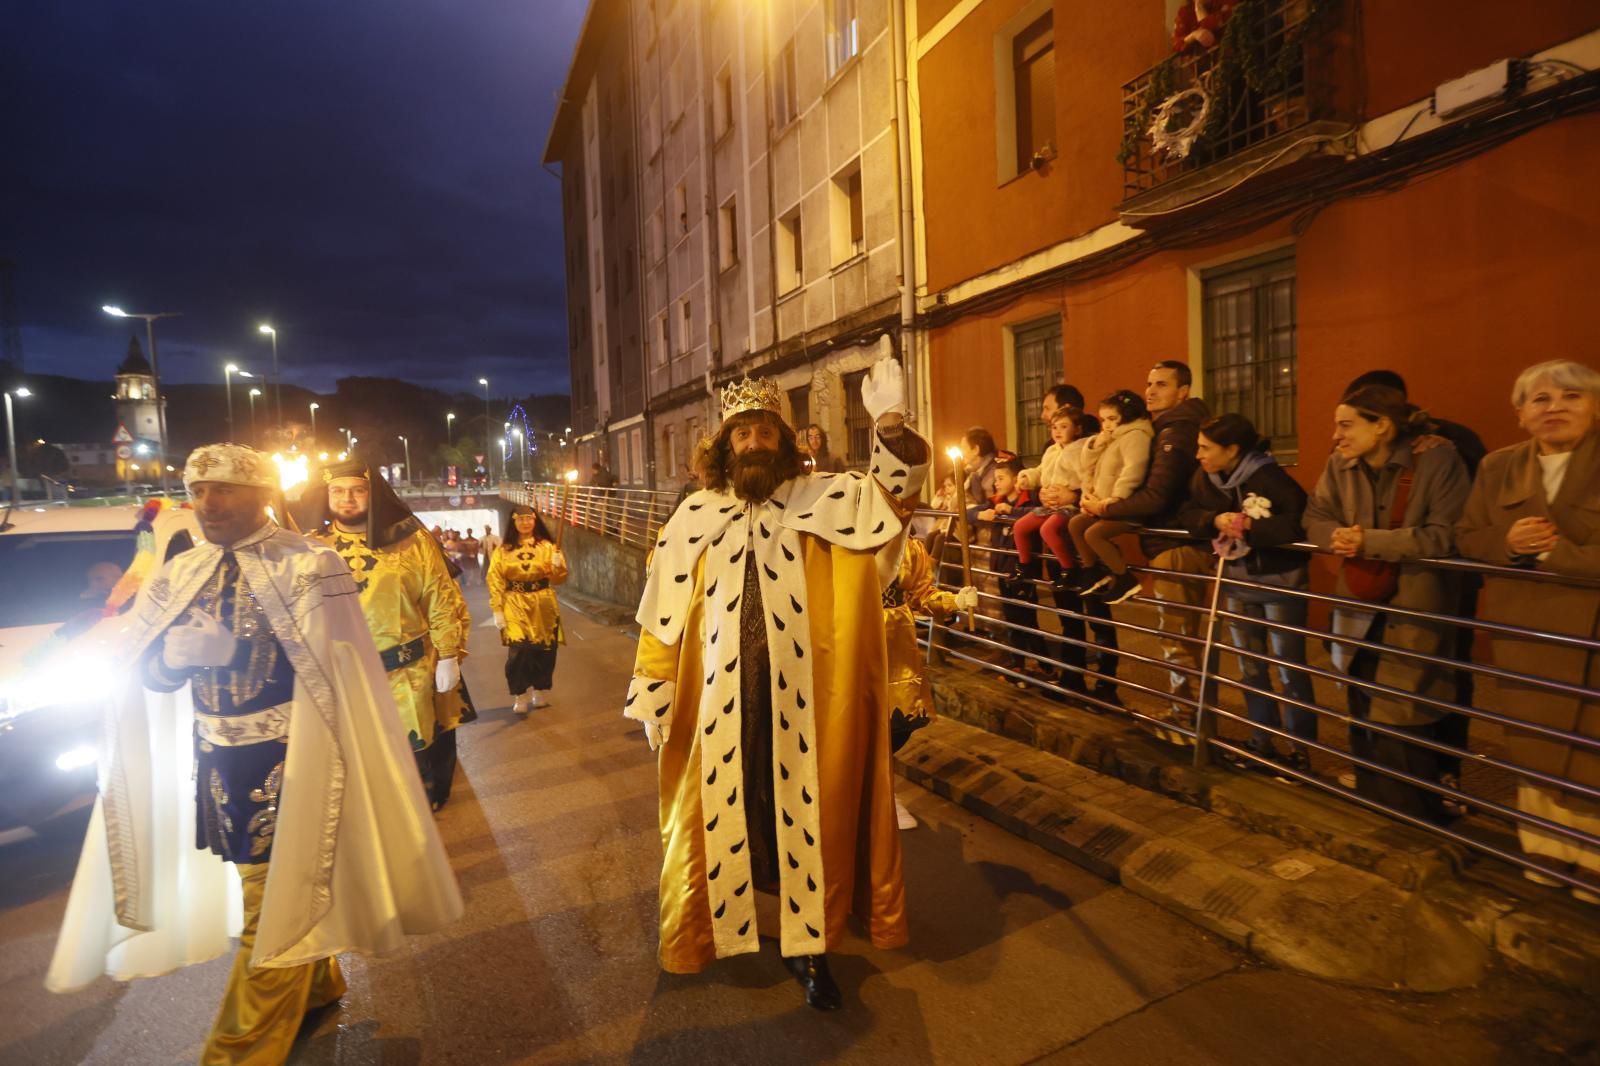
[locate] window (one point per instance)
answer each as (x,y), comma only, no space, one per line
(636,446)
(845,214)
(800,407)
(656,237)
(669,448)
(1033,65)
(785,93)
(728,235)
(662,343)
(857,423)
(791,256)
(722,102)
(1036,365)
(680,207)
(844,40)
(685,325)
(1248,328)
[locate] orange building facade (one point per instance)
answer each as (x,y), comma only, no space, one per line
(1355,230)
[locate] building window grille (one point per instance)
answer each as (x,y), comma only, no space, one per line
(1037,365)
(800,407)
(1248,327)
(857,423)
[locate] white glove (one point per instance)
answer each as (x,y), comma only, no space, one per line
(499,620)
(203,642)
(656,734)
(883,390)
(967,598)
(558,561)
(447,675)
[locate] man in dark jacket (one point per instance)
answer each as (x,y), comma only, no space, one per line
(1177,418)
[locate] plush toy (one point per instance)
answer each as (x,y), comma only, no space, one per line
(1198,24)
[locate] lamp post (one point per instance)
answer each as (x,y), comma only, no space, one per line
(277,380)
(155,373)
(449,419)
(227,380)
(11,442)
(407,443)
(488,425)
(522,455)
(314,407)
(253,394)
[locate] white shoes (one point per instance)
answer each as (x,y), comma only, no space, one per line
(538,700)
(905,818)
(519,706)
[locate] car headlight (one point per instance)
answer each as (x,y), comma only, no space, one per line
(68,761)
(73,678)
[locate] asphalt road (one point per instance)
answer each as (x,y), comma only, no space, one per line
(1016,956)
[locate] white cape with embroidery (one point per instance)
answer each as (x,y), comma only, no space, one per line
(356,861)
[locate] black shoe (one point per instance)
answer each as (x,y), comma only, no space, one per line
(1123,586)
(812,973)
(1298,759)
(1093,578)
(1069,579)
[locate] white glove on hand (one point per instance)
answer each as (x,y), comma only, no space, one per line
(967,598)
(883,390)
(558,561)
(446,675)
(656,734)
(203,642)
(499,620)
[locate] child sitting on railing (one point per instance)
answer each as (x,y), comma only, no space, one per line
(1060,480)
(1114,465)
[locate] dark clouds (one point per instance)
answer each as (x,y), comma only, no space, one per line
(364,174)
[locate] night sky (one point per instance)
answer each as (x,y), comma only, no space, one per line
(364,174)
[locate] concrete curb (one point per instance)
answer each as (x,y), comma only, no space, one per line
(1292,907)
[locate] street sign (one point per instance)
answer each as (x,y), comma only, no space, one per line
(124,451)
(122,436)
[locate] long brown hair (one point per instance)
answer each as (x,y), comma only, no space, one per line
(1373,402)
(712,462)
(512,538)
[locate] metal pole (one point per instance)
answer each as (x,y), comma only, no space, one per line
(488,427)
(161,400)
(313,422)
(227,384)
(11,449)
(407,443)
(253,437)
(277,379)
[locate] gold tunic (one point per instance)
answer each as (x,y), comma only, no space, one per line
(532,616)
(919,594)
(406,593)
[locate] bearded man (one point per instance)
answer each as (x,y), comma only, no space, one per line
(249,671)
(412,604)
(761,679)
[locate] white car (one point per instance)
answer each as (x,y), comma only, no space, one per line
(57,566)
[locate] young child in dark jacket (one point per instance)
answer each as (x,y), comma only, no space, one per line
(1244,499)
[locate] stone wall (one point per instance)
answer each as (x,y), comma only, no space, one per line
(602,568)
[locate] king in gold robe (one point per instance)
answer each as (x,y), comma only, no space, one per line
(762,676)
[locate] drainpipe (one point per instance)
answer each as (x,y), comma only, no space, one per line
(908,252)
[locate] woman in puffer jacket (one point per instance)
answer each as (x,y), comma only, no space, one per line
(1114,465)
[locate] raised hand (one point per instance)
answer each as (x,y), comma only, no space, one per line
(203,642)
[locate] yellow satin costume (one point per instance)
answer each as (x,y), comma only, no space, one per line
(918,594)
(407,593)
(531,617)
(859,840)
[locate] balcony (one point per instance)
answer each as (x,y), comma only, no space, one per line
(1264,98)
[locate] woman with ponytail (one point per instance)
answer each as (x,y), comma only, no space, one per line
(1240,496)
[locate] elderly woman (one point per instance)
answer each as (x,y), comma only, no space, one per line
(1381,504)
(1533,507)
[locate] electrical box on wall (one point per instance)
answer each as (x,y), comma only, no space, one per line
(1493,82)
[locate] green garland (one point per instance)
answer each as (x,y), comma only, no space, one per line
(1239,62)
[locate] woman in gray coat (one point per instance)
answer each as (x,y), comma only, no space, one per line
(1536,505)
(1381,504)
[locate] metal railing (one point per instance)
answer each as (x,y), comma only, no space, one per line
(1030,633)
(632,516)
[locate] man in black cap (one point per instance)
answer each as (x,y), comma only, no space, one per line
(411,602)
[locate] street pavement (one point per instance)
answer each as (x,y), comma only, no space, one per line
(1016,956)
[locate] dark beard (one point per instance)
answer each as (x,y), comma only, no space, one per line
(754,475)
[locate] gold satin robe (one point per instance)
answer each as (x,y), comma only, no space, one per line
(534,617)
(406,593)
(908,683)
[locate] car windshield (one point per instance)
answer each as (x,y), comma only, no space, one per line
(50,578)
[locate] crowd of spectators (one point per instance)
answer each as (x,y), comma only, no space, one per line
(1204,495)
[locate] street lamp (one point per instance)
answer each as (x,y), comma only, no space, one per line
(253,394)
(277,379)
(488,453)
(522,455)
(407,443)
(449,438)
(155,374)
(314,407)
(227,380)
(11,442)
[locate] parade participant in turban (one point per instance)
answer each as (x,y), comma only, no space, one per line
(254,727)
(410,599)
(761,679)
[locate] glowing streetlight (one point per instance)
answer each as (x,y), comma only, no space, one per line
(227,381)
(155,374)
(407,443)
(11,441)
(253,394)
(449,419)
(277,381)
(314,407)
(488,453)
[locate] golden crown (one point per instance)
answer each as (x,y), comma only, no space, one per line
(759,394)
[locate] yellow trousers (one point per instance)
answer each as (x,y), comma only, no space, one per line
(262,1008)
